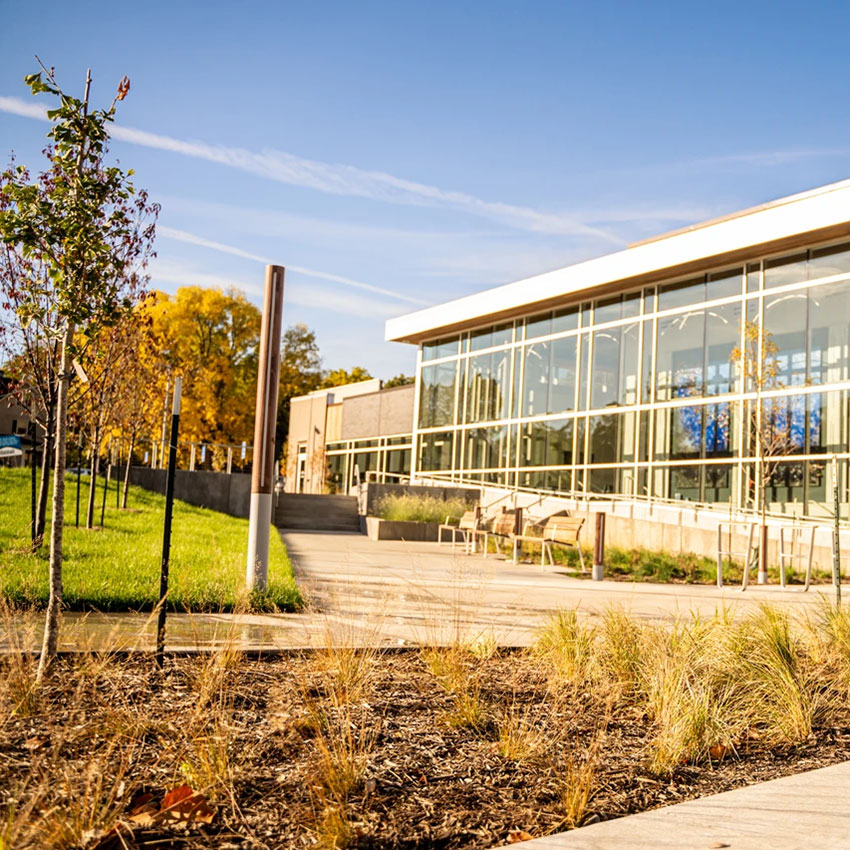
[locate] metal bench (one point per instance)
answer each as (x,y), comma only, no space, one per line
(555,531)
(467,529)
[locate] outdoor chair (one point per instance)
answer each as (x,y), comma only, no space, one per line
(555,531)
(466,529)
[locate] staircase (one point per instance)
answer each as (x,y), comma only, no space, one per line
(298,511)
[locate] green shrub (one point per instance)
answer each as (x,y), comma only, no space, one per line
(420,508)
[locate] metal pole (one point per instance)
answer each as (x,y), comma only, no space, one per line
(79,466)
(265,421)
(105,489)
(33,476)
(166,531)
(836,545)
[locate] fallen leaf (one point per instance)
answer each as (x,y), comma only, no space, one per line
(143,810)
(718,752)
(184,804)
(517,835)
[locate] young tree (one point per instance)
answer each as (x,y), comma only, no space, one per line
(772,424)
(83,219)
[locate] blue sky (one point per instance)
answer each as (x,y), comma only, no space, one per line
(395,154)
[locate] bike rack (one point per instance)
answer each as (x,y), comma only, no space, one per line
(746,555)
(795,539)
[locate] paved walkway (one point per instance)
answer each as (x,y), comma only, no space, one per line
(395,593)
(804,812)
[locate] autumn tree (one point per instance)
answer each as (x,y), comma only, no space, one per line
(340,377)
(82,218)
(300,373)
(210,337)
(400,380)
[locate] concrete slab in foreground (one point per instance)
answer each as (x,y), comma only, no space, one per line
(808,811)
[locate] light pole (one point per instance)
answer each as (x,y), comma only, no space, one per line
(265,422)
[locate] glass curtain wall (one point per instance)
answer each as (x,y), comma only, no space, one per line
(382,459)
(717,388)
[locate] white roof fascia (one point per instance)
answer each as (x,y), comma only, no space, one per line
(787,217)
(343,390)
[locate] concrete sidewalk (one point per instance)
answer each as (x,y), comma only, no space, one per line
(808,811)
(392,593)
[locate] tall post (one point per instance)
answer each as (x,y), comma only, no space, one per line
(599,548)
(79,472)
(33,477)
(164,425)
(265,421)
(836,543)
(166,530)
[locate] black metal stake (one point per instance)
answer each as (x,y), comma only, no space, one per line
(32,478)
(105,490)
(79,461)
(166,531)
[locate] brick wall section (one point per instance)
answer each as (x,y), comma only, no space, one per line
(378,414)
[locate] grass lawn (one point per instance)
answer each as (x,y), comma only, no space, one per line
(117,568)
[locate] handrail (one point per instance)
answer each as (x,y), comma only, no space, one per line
(650,501)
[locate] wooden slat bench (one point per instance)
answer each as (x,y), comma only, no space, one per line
(467,529)
(557,530)
(502,527)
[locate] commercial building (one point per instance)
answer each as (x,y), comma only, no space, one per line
(709,364)
(343,435)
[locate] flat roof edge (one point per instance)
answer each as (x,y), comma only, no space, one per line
(819,215)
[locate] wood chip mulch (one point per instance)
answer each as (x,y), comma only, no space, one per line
(427,782)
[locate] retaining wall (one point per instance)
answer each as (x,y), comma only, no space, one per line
(230,494)
(372,492)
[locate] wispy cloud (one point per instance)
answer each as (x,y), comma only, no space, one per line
(193,239)
(344,180)
(181,273)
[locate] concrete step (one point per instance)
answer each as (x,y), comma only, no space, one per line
(317,513)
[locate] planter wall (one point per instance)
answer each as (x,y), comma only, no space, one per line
(389,529)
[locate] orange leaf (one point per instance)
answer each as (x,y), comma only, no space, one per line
(517,835)
(184,804)
(718,752)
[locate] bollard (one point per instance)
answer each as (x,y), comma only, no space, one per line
(599,548)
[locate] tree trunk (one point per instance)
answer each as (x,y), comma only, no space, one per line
(51,624)
(94,459)
(127,469)
(46,466)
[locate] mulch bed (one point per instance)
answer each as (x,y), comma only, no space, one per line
(427,783)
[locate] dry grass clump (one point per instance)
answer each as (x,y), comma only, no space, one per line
(459,673)
(577,784)
(568,643)
(707,686)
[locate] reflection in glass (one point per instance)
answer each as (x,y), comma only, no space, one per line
(679,356)
(437,394)
(606,367)
(488,386)
(435,451)
(784,270)
(562,375)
